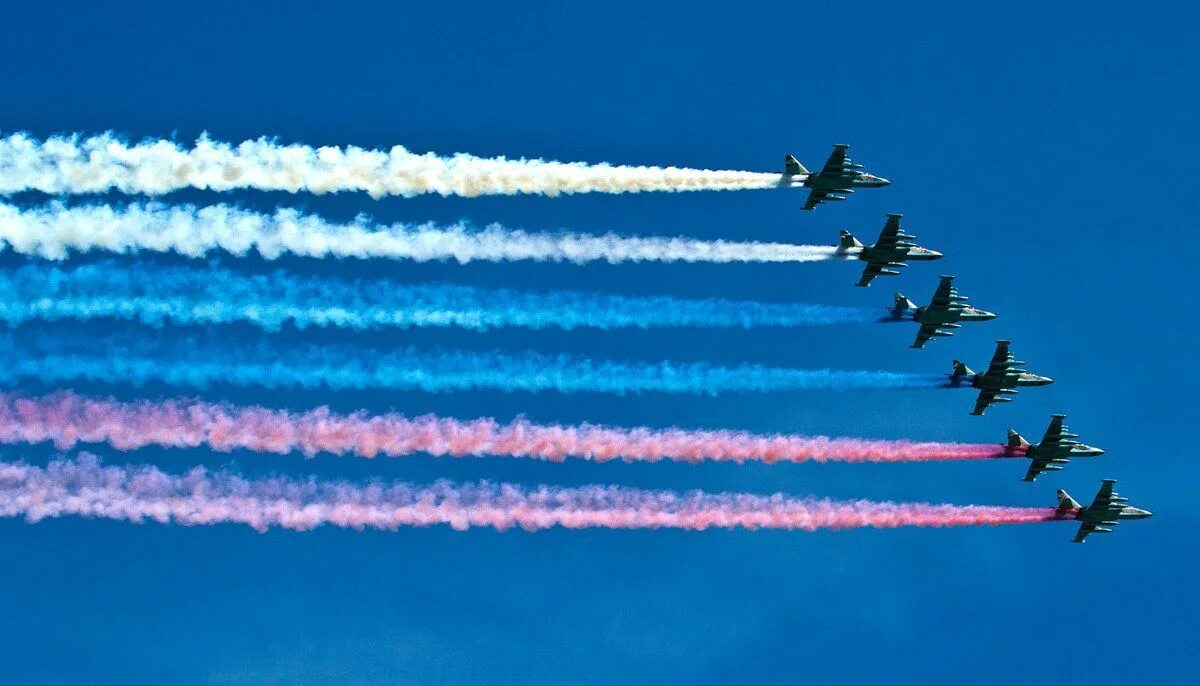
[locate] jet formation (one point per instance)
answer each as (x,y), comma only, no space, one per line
(943,317)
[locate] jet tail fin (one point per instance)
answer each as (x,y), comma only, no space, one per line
(902,306)
(791,165)
(1066,502)
(848,241)
(961,370)
(1015,440)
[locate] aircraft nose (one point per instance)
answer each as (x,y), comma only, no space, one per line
(935,255)
(882,181)
(1142,514)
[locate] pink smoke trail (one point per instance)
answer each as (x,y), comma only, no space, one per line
(136,494)
(67,418)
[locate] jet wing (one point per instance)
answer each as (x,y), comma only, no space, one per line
(996,378)
(874,268)
(1107,499)
(1036,469)
(1002,360)
(1105,511)
(836,177)
(1085,529)
(924,334)
(945,296)
(839,163)
(887,244)
(816,197)
(987,398)
(1052,450)
(890,235)
(1054,433)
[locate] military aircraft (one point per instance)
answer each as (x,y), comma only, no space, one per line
(1105,511)
(940,316)
(836,179)
(889,252)
(1055,450)
(1000,381)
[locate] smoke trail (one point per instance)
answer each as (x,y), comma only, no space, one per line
(154,294)
(71,164)
(66,419)
(54,357)
(137,494)
(54,230)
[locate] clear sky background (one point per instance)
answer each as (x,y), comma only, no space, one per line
(1047,150)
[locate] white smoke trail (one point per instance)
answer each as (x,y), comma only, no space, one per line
(55,230)
(71,164)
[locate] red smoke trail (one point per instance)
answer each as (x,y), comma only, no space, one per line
(137,494)
(66,418)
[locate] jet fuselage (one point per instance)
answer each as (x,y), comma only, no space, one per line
(924,315)
(1087,515)
(898,254)
(840,182)
(1038,451)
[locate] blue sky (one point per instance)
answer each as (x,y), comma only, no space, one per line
(1045,150)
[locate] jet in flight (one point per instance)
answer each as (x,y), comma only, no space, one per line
(888,254)
(1055,450)
(1000,381)
(836,179)
(940,316)
(1105,511)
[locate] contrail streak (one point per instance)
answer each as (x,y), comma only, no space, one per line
(67,419)
(155,294)
(188,361)
(55,230)
(71,164)
(137,494)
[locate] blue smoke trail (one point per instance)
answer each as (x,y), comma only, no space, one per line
(154,294)
(55,357)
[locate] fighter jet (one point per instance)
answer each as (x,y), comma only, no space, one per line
(836,179)
(1055,450)
(889,252)
(1105,511)
(942,314)
(1000,381)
